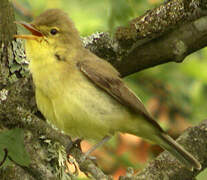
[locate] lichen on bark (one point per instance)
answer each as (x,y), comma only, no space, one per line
(160,20)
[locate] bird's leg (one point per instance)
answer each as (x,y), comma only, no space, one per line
(104,140)
(77,142)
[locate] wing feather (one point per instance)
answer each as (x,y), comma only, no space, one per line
(105,76)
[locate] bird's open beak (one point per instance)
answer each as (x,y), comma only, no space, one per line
(35,33)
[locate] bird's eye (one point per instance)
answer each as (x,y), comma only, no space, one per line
(53,31)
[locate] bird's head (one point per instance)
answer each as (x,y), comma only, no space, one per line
(54,27)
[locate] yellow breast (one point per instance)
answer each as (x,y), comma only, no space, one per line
(69,100)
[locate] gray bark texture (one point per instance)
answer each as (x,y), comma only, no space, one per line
(167,33)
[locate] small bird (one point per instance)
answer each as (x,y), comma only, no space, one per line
(82,94)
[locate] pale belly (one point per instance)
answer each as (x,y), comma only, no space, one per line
(80,110)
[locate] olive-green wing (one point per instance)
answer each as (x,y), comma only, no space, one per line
(105,76)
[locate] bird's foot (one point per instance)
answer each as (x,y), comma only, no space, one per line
(71,166)
(70,160)
(86,156)
(77,144)
(72,144)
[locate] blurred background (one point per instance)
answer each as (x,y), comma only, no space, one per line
(174,93)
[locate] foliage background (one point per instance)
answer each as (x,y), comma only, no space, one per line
(174,93)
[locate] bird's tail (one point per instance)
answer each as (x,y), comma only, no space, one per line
(179,152)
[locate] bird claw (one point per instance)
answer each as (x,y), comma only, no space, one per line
(70,161)
(86,156)
(72,144)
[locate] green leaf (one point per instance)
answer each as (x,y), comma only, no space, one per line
(13,141)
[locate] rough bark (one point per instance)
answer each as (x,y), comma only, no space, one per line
(167,33)
(7,30)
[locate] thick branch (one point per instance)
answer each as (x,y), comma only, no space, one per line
(158,37)
(174,46)
(7,27)
(7,30)
(156,22)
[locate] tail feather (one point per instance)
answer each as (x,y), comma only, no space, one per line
(179,152)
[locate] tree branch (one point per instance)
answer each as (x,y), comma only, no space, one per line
(157,37)
(165,165)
